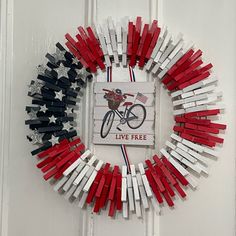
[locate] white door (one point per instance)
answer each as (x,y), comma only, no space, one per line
(29,207)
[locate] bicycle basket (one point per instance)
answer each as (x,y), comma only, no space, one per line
(113,105)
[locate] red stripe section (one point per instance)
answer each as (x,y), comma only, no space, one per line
(163,179)
(86,49)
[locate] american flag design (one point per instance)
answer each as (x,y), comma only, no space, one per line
(142,98)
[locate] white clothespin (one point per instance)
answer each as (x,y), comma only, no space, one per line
(88,166)
(125,211)
(60,183)
(143,195)
(180,168)
(103,45)
(200,84)
(124,184)
(136,192)
(93,176)
(167,41)
(171,47)
(112,33)
(130,193)
(85,155)
(145,180)
(124,29)
(119,38)
(83,200)
(160,40)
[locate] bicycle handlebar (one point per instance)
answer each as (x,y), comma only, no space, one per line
(124,95)
(128,94)
(106,90)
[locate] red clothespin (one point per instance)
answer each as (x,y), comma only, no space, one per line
(167,79)
(96,205)
(191,68)
(118,191)
(105,190)
(175,68)
(204,135)
(168,190)
(142,40)
(112,191)
(168,199)
(55,170)
(85,53)
(66,159)
(50,173)
(181,119)
(44,162)
(74,51)
(95,41)
(153,42)
(46,152)
(72,46)
(217,126)
(202,113)
(62,148)
(94,186)
(135,39)
(173,182)
(196,55)
(190,126)
(206,129)
(153,186)
(64,167)
(197,140)
(178,128)
(91,48)
(131,30)
(155,176)
(147,43)
(113,183)
(167,187)
(164,170)
(112,208)
(55,161)
(180,190)
(200,77)
(174,171)
(187,63)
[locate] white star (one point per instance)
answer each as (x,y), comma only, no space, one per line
(35,87)
(74,85)
(69,110)
(52,119)
(43,108)
(67,126)
(62,71)
(59,55)
(36,137)
(59,95)
(82,73)
(54,140)
(33,114)
(41,69)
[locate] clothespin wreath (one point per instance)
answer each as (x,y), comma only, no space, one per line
(77,172)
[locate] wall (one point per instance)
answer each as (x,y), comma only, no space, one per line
(29,206)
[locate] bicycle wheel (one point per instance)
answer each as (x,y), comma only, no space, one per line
(107,123)
(136,115)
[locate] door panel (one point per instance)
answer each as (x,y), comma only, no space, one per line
(29,206)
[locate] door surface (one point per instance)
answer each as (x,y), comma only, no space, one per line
(29,207)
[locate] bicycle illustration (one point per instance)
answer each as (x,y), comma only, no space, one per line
(134,114)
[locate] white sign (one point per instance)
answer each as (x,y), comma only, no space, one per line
(124,113)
